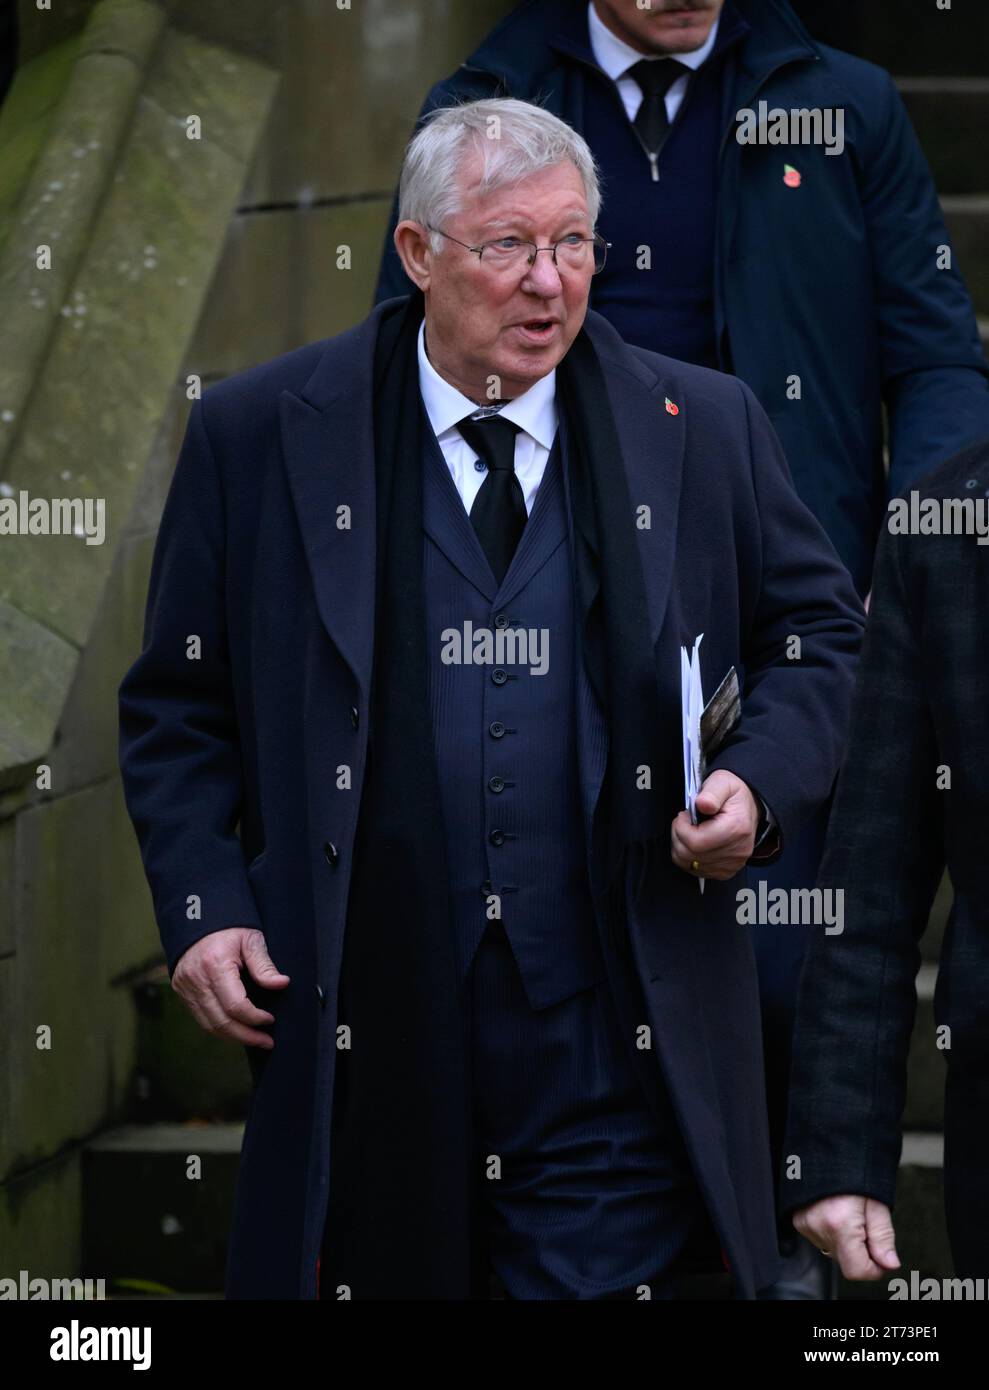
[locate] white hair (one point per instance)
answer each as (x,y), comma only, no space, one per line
(514,139)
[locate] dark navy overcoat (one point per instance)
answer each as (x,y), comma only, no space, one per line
(266,555)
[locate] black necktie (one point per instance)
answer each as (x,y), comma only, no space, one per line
(655,76)
(498,513)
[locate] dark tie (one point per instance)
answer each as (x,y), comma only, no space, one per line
(498,513)
(655,76)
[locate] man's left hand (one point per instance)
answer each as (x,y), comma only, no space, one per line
(718,847)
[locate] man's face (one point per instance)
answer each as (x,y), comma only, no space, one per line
(666,26)
(514,323)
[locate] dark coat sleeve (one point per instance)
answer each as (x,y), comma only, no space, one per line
(934,375)
(179,751)
(795,702)
(885,851)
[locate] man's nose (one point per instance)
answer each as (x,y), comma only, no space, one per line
(543,277)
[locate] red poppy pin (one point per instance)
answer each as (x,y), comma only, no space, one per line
(671,407)
(791,177)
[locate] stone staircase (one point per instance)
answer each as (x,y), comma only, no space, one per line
(157,1190)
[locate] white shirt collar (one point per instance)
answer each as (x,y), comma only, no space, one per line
(614,56)
(534,411)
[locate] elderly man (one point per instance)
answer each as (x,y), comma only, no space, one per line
(415,623)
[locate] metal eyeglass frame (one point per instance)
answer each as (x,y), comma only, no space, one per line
(597,238)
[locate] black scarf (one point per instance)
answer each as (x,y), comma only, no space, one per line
(405,1217)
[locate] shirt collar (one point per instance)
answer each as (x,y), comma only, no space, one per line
(614,56)
(534,411)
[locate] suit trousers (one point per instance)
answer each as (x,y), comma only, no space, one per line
(586,1182)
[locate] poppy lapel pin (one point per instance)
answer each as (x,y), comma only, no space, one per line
(671,407)
(792,177)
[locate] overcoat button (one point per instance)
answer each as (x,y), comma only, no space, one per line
(501,620)
(497,837)
(499,676)
(331,853)
(496,728)
(487,888)
(496,784)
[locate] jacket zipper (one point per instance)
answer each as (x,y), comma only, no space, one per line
(652,157)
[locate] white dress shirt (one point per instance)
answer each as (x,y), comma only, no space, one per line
(614,57)
(534,412)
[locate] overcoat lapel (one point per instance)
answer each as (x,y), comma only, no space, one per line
(328,445)
(652,438)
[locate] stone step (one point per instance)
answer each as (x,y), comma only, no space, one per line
(918,1219)
(910,37)
(182,1072)
(950,116)
(157,1202)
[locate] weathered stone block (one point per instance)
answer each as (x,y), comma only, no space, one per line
(145,1217)
(183,1071)
(41,1220)
(36,667)
(279,286)
(84,916)
(86,749)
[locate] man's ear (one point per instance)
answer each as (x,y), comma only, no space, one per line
(414,251)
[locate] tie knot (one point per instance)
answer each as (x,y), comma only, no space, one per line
(656,75)
(493,438)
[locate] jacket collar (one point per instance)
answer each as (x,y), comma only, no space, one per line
(328,450)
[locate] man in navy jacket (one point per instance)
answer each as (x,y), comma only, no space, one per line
(424,891)
(820,274)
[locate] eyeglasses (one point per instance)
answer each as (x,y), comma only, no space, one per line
(505,253)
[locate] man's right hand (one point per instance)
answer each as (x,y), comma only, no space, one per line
(207,978)
(856,1231)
